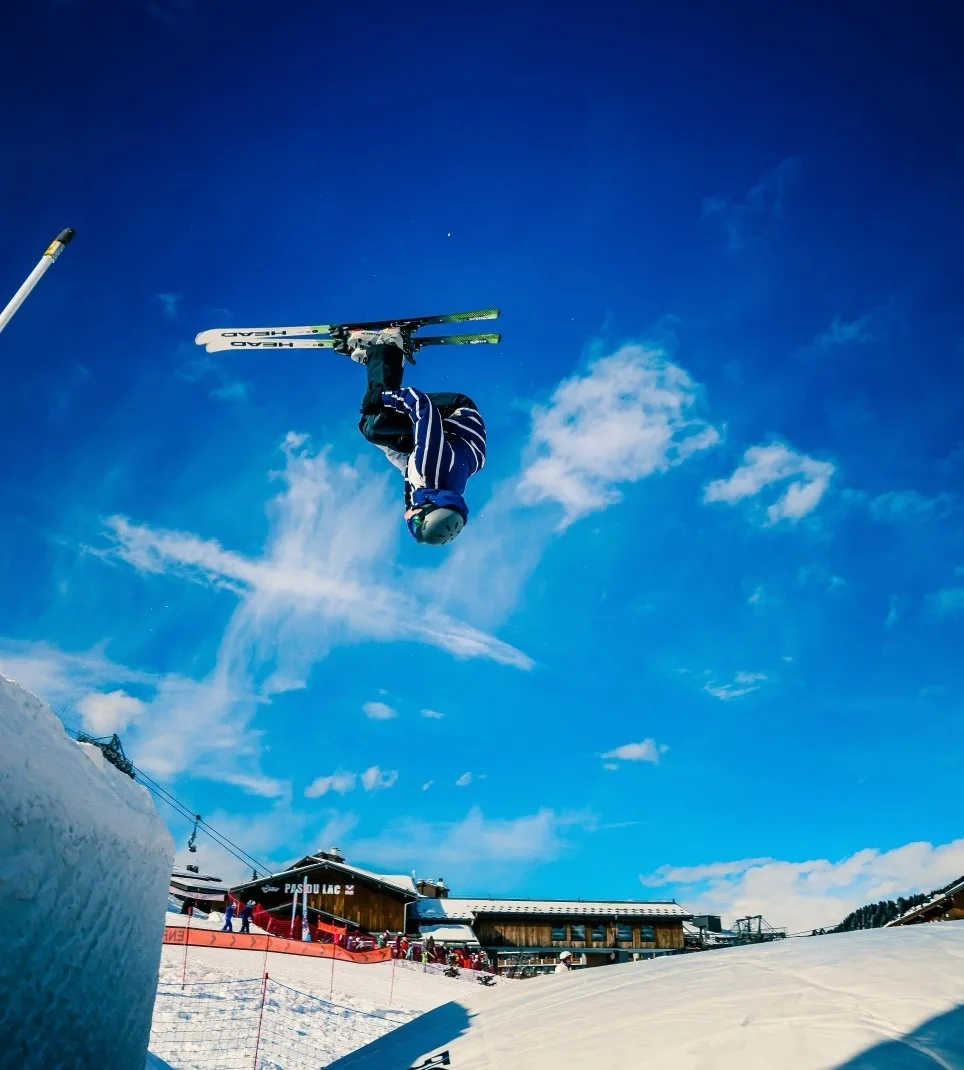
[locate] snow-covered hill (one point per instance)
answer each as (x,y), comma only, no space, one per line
(84,867)
(212,1013)
(886,999)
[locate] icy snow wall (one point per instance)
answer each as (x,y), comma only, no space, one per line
(85,863)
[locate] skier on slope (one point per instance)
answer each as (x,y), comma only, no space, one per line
(437,441)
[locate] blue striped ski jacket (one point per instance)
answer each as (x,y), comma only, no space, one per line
(449,443)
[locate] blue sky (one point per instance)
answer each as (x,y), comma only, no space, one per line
(701,637)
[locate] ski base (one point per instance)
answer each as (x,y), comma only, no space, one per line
(205,338)
(223,344)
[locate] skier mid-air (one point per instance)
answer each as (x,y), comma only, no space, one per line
(437,441)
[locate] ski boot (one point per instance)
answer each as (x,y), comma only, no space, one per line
(358,344)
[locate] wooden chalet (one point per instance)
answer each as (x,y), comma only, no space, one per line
(337,892)
(527,935)
(946,906)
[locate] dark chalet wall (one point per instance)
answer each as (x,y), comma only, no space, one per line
(343,895)
(511,931)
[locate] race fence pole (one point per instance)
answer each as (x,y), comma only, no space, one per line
(187,938)
(391,987)
(257,1039)
(54,250)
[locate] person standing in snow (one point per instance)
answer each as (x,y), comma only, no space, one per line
(228,918)
(437,441)
(565,962)
(246,911)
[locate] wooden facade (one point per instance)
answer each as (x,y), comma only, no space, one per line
(338,893)
(583,933)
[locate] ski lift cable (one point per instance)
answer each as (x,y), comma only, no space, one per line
(186,812)
(192,816)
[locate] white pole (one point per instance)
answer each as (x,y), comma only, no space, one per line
(54,250)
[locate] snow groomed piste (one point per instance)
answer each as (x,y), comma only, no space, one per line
(880,999)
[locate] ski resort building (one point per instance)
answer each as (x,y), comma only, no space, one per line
(520,936)
(192,889)
(336,892)
(525,936)
(945,906)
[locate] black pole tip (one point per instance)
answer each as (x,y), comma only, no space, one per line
(66,236)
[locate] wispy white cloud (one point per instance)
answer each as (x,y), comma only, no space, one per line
(104,714)
(744,683)
(322,577)
(908,505)
(631,415)
(169,304)
(427,785)
(235,390)
(803,481)
(843,332)
(379,711)
(202,367)
(433,715)
(476,846)
(810,894)
(340,782)
(343,781)
(375,778)
(894,610)
(182,723)
(464,780)
(646,751)
(947,600)
(741,220)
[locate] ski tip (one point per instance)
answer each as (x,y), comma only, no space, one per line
(66,236)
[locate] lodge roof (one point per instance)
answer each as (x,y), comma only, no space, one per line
(188,880)
(939,902)
(468,909)
(397,882)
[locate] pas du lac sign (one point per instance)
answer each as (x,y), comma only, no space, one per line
(320,889)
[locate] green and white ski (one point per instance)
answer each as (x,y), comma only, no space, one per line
(206,338)
(222,344)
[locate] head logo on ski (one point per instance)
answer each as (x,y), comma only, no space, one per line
(436,440)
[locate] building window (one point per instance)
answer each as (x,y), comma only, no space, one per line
(559,934)
(599,934)
(624,933)
(647,934)
(578,932)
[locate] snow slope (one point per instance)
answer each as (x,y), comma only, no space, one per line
(377,987)
(885,999)
(310,1016)
(84,867)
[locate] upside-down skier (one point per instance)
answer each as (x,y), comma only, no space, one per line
(437,440)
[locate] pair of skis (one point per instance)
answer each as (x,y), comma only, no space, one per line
(219,340)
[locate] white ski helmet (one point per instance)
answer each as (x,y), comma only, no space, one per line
(563,955)
(436,526)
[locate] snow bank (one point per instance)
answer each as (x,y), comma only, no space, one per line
(885,999)
(84,867)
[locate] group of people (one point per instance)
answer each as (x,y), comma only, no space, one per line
(246,911)
(429,952)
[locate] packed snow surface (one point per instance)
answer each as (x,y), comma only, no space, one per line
(885,999)
(84,867)
(210,1013)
